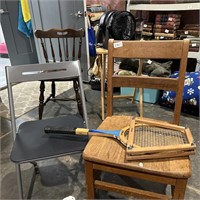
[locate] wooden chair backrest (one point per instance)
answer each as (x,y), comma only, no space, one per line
(173,49)
(56,45)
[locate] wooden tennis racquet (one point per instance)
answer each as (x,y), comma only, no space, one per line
(150,139)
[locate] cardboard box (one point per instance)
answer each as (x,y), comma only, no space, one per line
(149,95)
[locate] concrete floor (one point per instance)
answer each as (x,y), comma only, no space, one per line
(64,176)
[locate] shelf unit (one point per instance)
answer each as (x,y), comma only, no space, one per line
(167,7)
(163,7)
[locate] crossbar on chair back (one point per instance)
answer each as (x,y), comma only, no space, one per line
(48,71)
(148,50)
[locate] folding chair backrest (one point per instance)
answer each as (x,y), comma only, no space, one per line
(173,49)
(48,71)
(61,44)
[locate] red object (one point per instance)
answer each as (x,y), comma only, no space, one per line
(3,48)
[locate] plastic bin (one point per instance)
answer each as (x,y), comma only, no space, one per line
(149,95)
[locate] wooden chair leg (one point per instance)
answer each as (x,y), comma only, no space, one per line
(178,191)
(41,99)
(139,73)
(141,101)
(53,89)
(103,77)
(89,174)
(78,98)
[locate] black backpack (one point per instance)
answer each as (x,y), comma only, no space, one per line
(119,25)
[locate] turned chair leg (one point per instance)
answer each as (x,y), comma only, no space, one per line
(78,98)
(53,89)
(41,99)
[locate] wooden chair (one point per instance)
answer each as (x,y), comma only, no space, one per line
(108,155)
(60,45)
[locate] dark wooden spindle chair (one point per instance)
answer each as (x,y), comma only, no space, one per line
(59,45)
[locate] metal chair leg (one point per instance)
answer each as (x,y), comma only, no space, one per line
(19,180)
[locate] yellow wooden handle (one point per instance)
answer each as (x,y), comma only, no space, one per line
(81,131)
(84,131)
